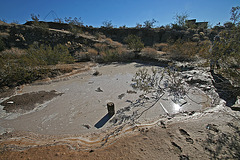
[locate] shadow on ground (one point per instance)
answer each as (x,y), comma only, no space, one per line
(103,121)
(225,89)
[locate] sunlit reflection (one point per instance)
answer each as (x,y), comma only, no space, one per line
(176,107)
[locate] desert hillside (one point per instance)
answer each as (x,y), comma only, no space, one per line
(69,91)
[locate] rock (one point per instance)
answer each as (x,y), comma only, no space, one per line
(183,157)
(121,96)
(87,126)
(99,90)
(212,127)
(235,107)
(10,102)
(131,92)
(96,73)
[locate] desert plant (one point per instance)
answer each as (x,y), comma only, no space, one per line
(2,45)
(99,35)
(19,67)
(37,23)
(180,19)
(74,21)
(235,14)
(46,55)
(138,25)
(160,46)
(160,80)
(186,50)
(58,20)
(149,52)
(134,42)
(107,24)
(226,51)
(149,23)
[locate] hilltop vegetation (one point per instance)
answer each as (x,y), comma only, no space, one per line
(27,50)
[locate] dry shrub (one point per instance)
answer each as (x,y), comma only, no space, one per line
(100,46)
(109,40)
(117,44)
(100,35)
(204,48)
(82,56)
(92,52)
(15,52)
(149,52)
(160,46)
(184,50)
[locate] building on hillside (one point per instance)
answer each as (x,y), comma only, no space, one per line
(192,23)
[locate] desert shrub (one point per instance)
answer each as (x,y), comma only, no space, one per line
(180,20)
(185,50)
(125,55)
(82,56)
(138,26)
(117,44)
(149,23)
(46,55)
(100,46)
(37,23)
(110,55)
(99,35)
(75,30)
(2,45)
(107,24)
(153,81)
(109,40)
(160,46)
(235,14)
(149,52)
(74,24)
(134,42)
(19,67)
(74,21)
(226,51)
(92,52)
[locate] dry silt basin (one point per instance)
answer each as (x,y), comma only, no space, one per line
(82,105)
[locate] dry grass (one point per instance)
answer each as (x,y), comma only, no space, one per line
(109,41)
(100,46)
(92,52)
(186,50)
(15,51)
(149,52)
(160,46)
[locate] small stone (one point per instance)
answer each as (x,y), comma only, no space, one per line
(99,90)
(10,102)
(121,96)
(87,126)
(96,73)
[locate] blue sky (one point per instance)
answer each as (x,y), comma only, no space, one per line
(120,12)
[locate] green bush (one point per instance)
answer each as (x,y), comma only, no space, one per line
(46,55)
(19,68)
(226,51)
(134,42)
